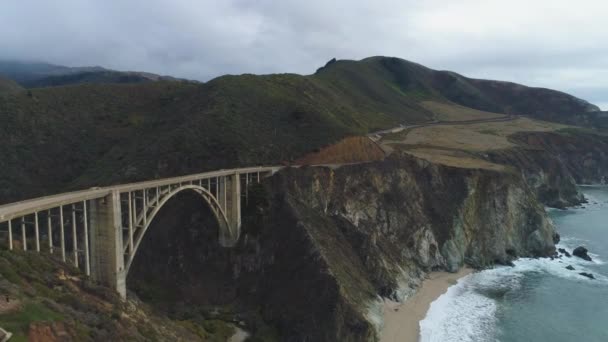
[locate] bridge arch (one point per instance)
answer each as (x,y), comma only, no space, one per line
(228,233)
(108,223)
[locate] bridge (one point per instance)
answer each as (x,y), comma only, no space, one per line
(108,224)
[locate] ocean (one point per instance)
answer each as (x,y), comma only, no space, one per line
(538,299)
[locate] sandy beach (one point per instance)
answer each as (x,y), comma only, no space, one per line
(401,319)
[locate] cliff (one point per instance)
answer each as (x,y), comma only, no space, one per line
(321,246)
(553,163)
(357,233)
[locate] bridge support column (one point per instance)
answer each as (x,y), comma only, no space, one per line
(235,212)
(232,188)
(107,259)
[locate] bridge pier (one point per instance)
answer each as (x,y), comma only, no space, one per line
(230,201)
(107,260)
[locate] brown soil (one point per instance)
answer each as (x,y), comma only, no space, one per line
(348,150)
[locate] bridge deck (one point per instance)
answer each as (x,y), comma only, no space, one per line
(17,209)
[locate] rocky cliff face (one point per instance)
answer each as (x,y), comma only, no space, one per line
(583,153)
(321,246)
(375,229)
(554,163)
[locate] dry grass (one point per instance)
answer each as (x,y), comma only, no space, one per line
(453,158)
(348,150)
(456,145)
(473,137)
(454,112)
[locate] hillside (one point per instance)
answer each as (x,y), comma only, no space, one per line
(51,301)
(82,135)
(385,75)
(39,75)
(9,87)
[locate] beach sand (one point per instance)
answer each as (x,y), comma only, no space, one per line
(401,319)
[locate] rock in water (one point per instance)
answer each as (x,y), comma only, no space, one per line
(581,252)
(569,267)
(588,275)
(556,238)
(564,252)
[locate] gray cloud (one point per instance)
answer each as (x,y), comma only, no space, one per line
(553,44)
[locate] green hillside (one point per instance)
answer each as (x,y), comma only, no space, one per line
(68,137)
(9,87)
(379,75)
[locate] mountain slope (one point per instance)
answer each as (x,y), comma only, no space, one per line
(8,87)
(382,75)
(68,137)
(38,75)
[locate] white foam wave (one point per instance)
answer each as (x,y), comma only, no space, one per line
(466,312)
(461,314)
(557,268)
(593,203)
(569,244)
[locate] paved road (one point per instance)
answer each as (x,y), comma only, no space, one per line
(376,136)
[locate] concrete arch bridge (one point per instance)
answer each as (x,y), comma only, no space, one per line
(100,229)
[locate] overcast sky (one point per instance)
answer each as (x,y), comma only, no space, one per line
(555,44)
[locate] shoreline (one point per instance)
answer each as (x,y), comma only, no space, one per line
(401,320)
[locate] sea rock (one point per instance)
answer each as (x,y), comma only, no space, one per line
(588,275)
(556,238)
(581,252)
(564,252)
(569,267)
(509,263)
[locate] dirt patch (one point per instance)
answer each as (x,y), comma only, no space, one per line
(8,306)
(453,158)
(49,332)
(348,150)
(454,112)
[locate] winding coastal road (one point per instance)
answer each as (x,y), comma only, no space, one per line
(376,136)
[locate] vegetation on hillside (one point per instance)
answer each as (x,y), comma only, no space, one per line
(43,299)
(9,87)
(68,137)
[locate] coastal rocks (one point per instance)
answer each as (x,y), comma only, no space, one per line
(556,238)
(569,267)
(374,230)
(581,252)
(553,163)
(321,247)
(544,173)
(564,252)
(536,243)
(588,275)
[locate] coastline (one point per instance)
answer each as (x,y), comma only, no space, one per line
(401,320)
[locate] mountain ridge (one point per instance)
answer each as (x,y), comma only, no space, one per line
(137,131)
(41,74)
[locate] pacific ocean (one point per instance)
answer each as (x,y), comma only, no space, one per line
(538,299)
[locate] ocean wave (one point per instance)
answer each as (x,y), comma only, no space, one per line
(466,312)
(461,314)
(570,243)
(593,202)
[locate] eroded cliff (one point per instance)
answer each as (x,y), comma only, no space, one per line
(321,247)
(373,230)
(553,163)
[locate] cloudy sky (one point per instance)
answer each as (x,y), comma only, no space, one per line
(549,43)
